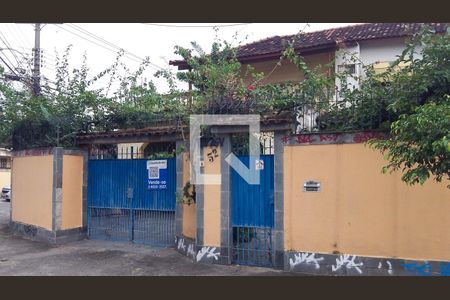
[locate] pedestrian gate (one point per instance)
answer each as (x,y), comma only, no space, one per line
(122,206)
(253,214)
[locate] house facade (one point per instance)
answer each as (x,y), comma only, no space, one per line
(322,205)
(375,44)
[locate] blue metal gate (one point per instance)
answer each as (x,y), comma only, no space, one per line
(252,209)
(121,207)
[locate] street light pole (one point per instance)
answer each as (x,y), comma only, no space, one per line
(37,59)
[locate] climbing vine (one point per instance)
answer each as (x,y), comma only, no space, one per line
(410,101)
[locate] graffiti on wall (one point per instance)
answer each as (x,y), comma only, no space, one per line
(181,246)
(209,252)
(306,258)
(389,265)
(299,260)
(360,137)
(444,268)
(348,262)
(185,246)
(421,269)
(426,269)
(190,251)
(365,136)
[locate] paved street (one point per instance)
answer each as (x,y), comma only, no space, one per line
(19,256)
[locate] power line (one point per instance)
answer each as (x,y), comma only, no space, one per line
(46,55)
(27,42)
(100,45)
(5,41)
(6,57)
(22,55)
(195,26)
(15,35)
(80,29)
(9,67)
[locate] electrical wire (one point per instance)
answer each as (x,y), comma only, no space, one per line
(8,46)
(82,30)
(27,42)
(100,45)
(15,34)
(195,26)
(9,67)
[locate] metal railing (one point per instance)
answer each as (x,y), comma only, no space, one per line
(124,151)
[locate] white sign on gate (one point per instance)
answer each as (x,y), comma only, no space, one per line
(157,174)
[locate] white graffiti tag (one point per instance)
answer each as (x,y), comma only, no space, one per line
(380,265)
(308,258)
(209,252)
(390,267)
(348,262)
(181,245)
(190,250)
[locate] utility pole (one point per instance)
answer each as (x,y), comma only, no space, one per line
(37,60)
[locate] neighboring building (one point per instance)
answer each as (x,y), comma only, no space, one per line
(5,168)
(335,50)
(376,44)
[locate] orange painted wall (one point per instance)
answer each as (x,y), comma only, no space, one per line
(32,184)
(211,202)
(189,211)
(72,202)
(360,211)
(287,71)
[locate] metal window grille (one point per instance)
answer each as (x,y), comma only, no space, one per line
(5,163)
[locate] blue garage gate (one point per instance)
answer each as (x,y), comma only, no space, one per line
(122,206)
(253,214)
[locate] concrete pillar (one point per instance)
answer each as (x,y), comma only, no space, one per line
(180,146)
(85,152)
(278,230)
(57,187)
(200,201)
(225,202)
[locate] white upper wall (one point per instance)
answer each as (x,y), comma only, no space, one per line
(383,50)
(369,52)
(345,56)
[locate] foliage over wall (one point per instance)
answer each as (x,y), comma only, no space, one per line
(412,101)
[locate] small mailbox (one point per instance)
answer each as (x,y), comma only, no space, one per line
(311,186)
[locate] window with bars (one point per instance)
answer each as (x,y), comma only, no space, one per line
(349,68)
(5,163)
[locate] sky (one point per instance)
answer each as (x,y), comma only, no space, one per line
(101,41)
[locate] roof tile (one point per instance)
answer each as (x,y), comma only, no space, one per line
(330,37)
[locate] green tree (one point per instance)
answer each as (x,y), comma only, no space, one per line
(418,143)
(74,103)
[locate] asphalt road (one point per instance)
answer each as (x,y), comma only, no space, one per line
(20,256)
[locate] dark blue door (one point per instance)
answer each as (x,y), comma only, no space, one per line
(252,214)
(121,206)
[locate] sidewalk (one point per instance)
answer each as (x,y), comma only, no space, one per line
(19,256)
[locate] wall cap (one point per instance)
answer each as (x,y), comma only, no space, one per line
(306,139)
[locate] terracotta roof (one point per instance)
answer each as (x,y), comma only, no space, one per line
(164,130)
(328,38)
